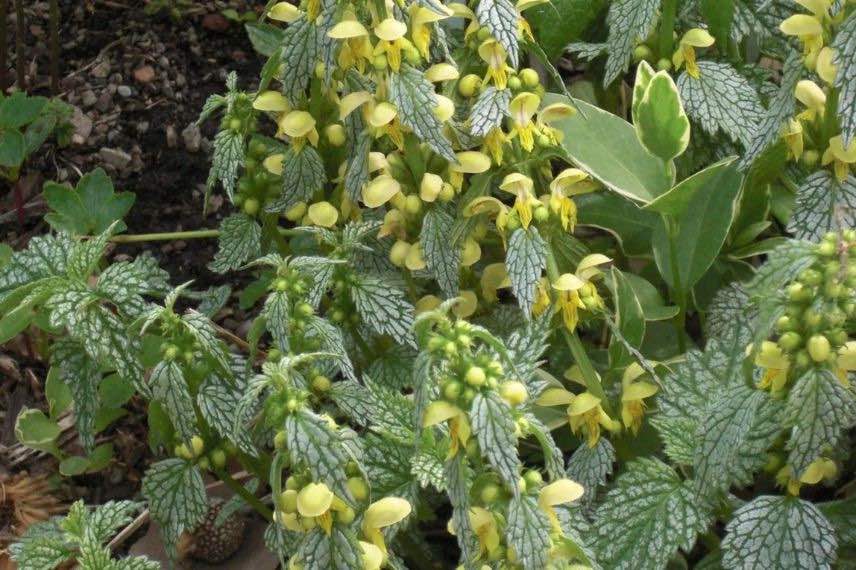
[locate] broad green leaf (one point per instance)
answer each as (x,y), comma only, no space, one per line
(631,225)
(842,515)
(675,201)
(13,148)
(78,465)
(240,241)
(302,175)
(823,205)
(442,254)
(89,208)
(176,495)
(489,110)
(591,466)
(384,308)
(266,38)
(414,97)
(605,146)
(34,429)
(311,442)
(57,393)
(778,532)
(500,17)
(525,259)
(701,230)
(721,99)
(654,308)
(575,15)
(493,426)
(660,120)
(819,409)
(844,60)
(629,317)
(528,532)
(647,517)
(18,109)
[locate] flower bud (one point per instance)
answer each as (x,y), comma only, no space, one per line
(475,376)
(513,392)
(818,348)
(335,134)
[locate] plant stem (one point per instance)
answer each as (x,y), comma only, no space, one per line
(168,236)
(248,497)
(677,289)
(667,28)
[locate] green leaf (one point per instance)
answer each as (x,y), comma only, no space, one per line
(630,225)
(528,532)
(718,14)
(338,551)
(576,16)
(605,146)
(500,17)
(13,148)
(721,99)
(591,466)
(302,175)
(844,60)
(240,241)
(89,208)
(34,429)
(489,110)
(57,393)
(299,53)
(783,265)
(177,500)
(82,377)
(629,318)
(628,21)
(675,201)
(414,97)
(218,399)
(702,227)
(18,110)
(276,314)
(384,308)
(818,411)
(647,517)
(654,308)
(493,426)
(842,515)
(169,388)
(823,205)
(332,341)
(313,443)
(202,330)
(442,254)
(458,478)
(229,154)
(266,38)
(525,259)
(45,256)
(778,532)
(659,118)
(553,459)
(40,551)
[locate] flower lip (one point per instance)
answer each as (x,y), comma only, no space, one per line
(560,492)
(348,29)
(314,500)
(390,30)
(386,512)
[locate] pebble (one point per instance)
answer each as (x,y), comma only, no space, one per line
(215,22)
(88,98)
(101,70)
(115,157)
(82,124)
(144,74)
(105,102)
(171,137)
(124,91)
(192,137)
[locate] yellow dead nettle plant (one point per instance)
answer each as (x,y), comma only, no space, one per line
(284,12)
(415,260)
(521,187)
(494,56)
(380,190)
(492,207)
(352,101)
(421,19)
(391,34)
(299,126)
(634,390)
(685,54)
(494,277)
(846,362)
(494,141)
(372,556)
(559,492)
(775,364)
(383,117)
(809,30)
(469,162)
(427,303)
(430,187)
(549,115)
(356,49)
(381,514)
(440,72)
(818,470)
(576,291)
(467,304)
(812,96)
(522,25)
(272,102)
(584,412)
(841,158)
(568,183)
(792,133)
(523,108)
(313,505)
(825,67)
(323,214)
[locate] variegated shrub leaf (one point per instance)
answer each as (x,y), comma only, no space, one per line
(823,205)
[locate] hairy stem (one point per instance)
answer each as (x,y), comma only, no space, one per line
(192,234)
(667,28)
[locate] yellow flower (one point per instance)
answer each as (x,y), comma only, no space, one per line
(549,115)
(459,425)
(466,305)
(542,297)
(299,126)
(391,34)
(420,29)
(314,503)
(486,529)
(633,394)
(356,49)
(825,68)
(323,214)
(775,364)
(818,470)
(522,108)
(559,492)
(427,303)
(809,94)
(415,259)
(381,514)
(430,187)
(846,362)
(494,56)
(471,253)
(569,182)
(792,133)
(284,12)
(521,187)
(809,30)
(440,72)
(584,413)
(273,163)
(372,556)
(272,101)
(494,141)
(380,190)
(841,158)
(469,162)
(353,101)
(494,277)
(490,206)
(445,108)
(383,117)
(576,291)
(694,38)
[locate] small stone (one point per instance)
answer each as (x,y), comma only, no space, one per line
(143,127)
(88,98)
(117,158)
(171,137)
(105,102)
(82,127)
(215,22)
(144,74)
(124,91)
(101,70)
(192,137)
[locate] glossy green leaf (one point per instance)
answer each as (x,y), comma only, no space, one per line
(660,120)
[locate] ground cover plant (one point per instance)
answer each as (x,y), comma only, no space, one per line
(501,315)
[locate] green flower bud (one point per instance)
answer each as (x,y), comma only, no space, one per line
(321,383)
(489,493)
(218,458)
(475,376)
(529,77)
(452,390)
(279,440)
(819,348)
(790,341)
(533,479)
(197,445)
(358,488)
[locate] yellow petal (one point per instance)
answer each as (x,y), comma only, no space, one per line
(323,214)
(415,259)
(427,303)
(380,190)
(471,162)
(377,161)
(386,512)
(422,15)
(517,184)
(568,282)
(523,107)
(382,114)
(588,265)
(471,253)
(372,556)
(480,517)
(809,94)
(284,12)
(698,38)
(445,108)
(846,155)
(289,521)
(390,30)
(273,163)
(494,277)
(560,492)
(353,101)
(273,101)
(817,7)
(442,72)
(484,205)
(314,500)
(583,403)
(430,187)
(348,29)
(526,4)
(461,10)
(638,391)
(825,68)
(297,123)
(847,356)
(493,54)
(466,305)
(556,112)
(801,25)
(554,397)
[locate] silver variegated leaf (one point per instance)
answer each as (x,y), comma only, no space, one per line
(302,175)
(332,341)
(82,376)
(219,401)
(413,95)
(176,495)
(276,314)
(778,532)
(489,110)
(299,54)
(357,173)
(500,17)
(203,332)
(110,517)
(170,390)
(493,425)
(525,259)
(229,152)
(339,550)
(844,46)
(629,21)
(385,309)
(442,254)
(591,466)
(427,468)
(313,443)
(240,241)
(45,256)
(730,314)
(528,532)
(823,205)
